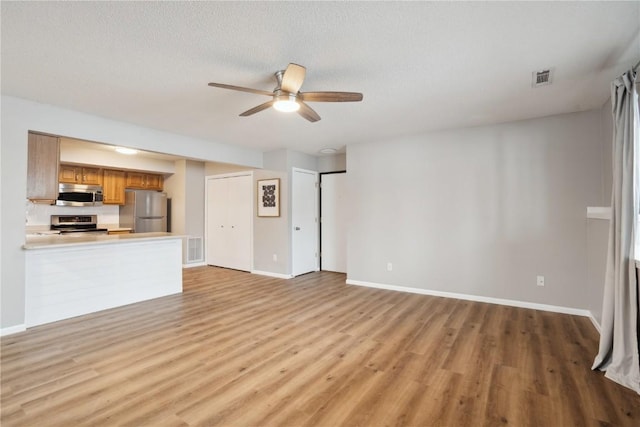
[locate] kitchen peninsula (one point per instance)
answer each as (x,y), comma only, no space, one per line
(67,276)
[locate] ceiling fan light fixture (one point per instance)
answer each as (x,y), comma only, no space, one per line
(286,103)
(286,97)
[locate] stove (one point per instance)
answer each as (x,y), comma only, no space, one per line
(68,224)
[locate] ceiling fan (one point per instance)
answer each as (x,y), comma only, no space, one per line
(287,97)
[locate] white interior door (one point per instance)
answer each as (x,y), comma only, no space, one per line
(216,220)
(304,216)
(229,215)
(333,224)
(239,216)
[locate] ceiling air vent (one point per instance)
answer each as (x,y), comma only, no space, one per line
(541,78)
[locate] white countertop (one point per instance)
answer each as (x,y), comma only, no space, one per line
(57,241)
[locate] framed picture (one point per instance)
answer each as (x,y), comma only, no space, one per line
(269,197)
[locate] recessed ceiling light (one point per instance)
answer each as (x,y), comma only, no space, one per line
(125,150)
(328,151)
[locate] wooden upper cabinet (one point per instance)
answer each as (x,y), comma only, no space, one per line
(72,174)
(68,174)
(113,187)
(135,180)
(42,168)
(155,182)
(144,181)
(92,176)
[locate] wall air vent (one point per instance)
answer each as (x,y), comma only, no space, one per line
(541,78)
(194,249)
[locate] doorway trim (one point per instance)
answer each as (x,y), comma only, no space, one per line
(320,213)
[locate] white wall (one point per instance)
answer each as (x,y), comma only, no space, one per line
(195,194)
(295,159)
(270,233)
(18,117)
(606,118)
(597,245)
(174,186)
(332,163)
(276,160)
(195,198)
(211,168)
(186,188)
(479,211)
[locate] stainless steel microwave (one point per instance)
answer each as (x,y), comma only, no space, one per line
(79,195)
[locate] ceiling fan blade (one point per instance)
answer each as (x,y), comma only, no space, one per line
(331,96)
(257,109)
(242,89)
(308,112)
(292,78)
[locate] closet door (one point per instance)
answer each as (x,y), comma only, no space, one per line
(239,218)
(216,221)
(229,222)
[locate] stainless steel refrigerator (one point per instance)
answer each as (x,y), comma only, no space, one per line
(144,211)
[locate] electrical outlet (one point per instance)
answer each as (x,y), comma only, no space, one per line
(389,266)
(275,257)
(540,281)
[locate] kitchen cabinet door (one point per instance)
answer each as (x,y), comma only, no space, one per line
(72,174)
(42,168)
(135,180)
(154,182)
(113,187)
(144,181)
(69,174)
(91,176)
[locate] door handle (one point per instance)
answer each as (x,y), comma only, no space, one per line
(297,228)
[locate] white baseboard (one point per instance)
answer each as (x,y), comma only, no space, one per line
(270,274)
(12,330)
(194,264)
(478,298)
(595,323)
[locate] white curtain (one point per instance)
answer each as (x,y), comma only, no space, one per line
(618,353)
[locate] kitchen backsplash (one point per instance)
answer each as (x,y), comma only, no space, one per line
(37,214)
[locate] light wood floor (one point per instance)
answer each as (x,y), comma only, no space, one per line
(237,349)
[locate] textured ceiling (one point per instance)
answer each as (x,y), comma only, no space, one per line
(421,66)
